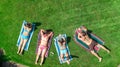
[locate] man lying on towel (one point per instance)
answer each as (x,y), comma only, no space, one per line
(42,48)
(63,49)
(83,36)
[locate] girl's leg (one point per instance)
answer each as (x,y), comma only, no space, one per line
(95,54)
(19,47)
(43,55)
(62,57)
(67,55)
(24,43)
(104,48)
(37,56)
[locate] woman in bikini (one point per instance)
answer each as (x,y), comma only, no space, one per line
(63,49)
(42,48)
(24,37)
(82,35)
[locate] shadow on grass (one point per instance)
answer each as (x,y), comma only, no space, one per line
(37,24)
(73,56)
(68,39)
(3,58)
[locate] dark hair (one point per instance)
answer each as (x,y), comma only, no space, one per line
(61,40)
(45,32)
(83,33)
(29,25)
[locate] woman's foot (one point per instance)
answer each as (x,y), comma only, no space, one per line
(100,59)
(18,52)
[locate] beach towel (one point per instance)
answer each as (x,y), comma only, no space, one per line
(49,44)
(84,45)
(30,35)
(58,48)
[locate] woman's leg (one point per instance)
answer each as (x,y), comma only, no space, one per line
(37,56)
(19,47)
(24,43)
(95,54)
(43,55)
(104,48)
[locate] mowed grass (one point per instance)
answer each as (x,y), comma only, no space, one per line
(63,16)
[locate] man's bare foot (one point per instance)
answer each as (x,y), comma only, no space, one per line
(108,51)
(100,59)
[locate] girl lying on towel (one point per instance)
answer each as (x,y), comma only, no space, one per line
(83,36)
(63,49)
(24,37)
(42,48)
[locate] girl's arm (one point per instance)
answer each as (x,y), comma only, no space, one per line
(50,34)
(41,32)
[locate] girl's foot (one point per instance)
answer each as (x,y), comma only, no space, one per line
(100,59)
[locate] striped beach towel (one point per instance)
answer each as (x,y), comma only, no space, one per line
(58,49)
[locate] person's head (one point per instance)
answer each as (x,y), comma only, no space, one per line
(61,40)
(82,33)
(29,25)
(45,32)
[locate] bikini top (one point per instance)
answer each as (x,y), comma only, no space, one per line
(44,39)
(25,30)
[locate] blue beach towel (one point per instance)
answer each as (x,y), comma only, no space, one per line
(58,48)
(30,35)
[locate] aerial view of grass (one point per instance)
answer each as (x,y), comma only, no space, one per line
(61,16)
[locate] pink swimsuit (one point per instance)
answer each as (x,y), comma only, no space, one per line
(42,47)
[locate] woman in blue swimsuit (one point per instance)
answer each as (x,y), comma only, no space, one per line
(24,37)
(63,49)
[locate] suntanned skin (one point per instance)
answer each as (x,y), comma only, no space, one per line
(88,41)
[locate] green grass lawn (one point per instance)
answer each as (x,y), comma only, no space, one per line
(62,16)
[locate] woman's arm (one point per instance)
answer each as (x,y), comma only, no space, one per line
(41,32)
(50,34)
